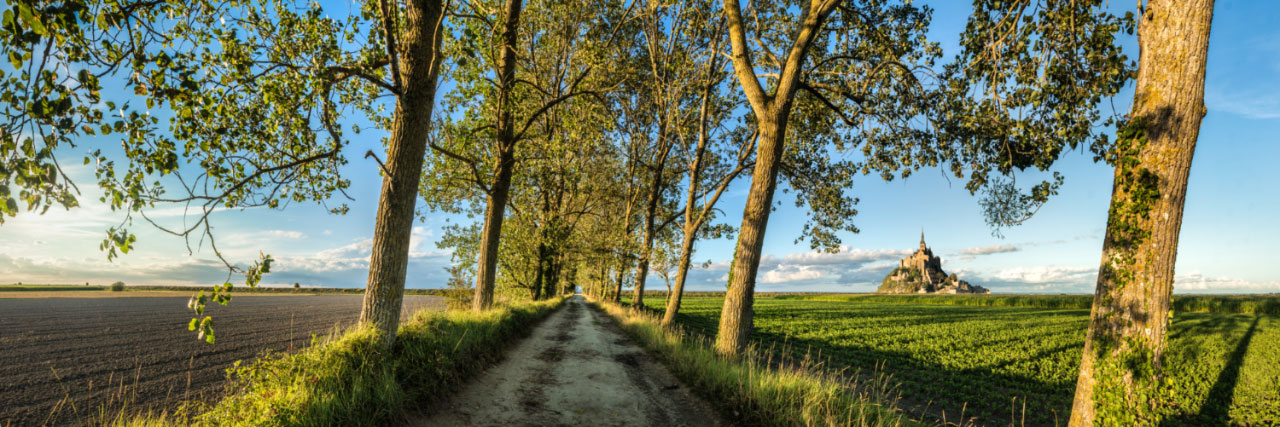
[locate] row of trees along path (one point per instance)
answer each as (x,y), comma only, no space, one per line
(593,139)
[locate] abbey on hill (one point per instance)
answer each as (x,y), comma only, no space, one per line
(921,273)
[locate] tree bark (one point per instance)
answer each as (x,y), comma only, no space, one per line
(736,317)
(384,290)
(1121,365)
(538,272)
(499,191)
(682,271)
(501,186)
(548,274)
(622,272)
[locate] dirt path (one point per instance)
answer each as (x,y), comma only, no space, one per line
(575,369)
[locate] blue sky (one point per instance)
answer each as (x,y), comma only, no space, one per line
(1229,243)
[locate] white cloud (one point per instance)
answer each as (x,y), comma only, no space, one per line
(848,269)
(790,273)
(288,234)
(1047,274)
(988,250)
(844,256)
(1195,282)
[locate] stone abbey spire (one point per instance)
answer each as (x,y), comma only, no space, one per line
(922,246)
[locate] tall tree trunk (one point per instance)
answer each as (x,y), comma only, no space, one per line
(651,210)
(772,113)
(549,275)
(384,290)
(602,292)
(682,271)
(499,190)
(736,317)
(693,222)
(539,277)
(642,266)
(1121,365)
(501,186)
(622,272)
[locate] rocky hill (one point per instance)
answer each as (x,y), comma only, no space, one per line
(921,273)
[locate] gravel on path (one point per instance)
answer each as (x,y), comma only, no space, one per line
(575,369)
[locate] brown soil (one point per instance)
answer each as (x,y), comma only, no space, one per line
(575,369)
(67,360)
(96,294)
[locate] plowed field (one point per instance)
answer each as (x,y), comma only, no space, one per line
(68,360)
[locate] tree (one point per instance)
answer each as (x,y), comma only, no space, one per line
(254,91)
(864,56)
(708,169)
(500,107)
(1120,369)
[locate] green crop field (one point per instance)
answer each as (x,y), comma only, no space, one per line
(1221,368)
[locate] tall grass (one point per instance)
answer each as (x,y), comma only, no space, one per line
(350,380)
(758,390)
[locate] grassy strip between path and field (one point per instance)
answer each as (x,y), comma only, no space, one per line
(754,390)
(349,381)
(1240,304)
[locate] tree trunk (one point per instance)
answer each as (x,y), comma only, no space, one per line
(651,209)
(550,273)
(486,276)
(735,318)
(682,271)
(1121,365)
(772,113)
(538,273)
(622,272)
(501,186)
(384,290)
(602,292)
(642,266)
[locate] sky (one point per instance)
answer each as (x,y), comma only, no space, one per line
(1229,241)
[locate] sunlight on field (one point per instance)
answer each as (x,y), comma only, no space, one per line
(990,361)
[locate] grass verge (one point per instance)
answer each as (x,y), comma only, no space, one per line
(349,380)
(758,390)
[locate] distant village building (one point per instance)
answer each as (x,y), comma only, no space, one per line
(921,273)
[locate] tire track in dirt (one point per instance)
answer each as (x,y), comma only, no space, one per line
(56,353)
(574,369)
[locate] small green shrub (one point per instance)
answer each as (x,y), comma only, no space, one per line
(117,286)
(459,291)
